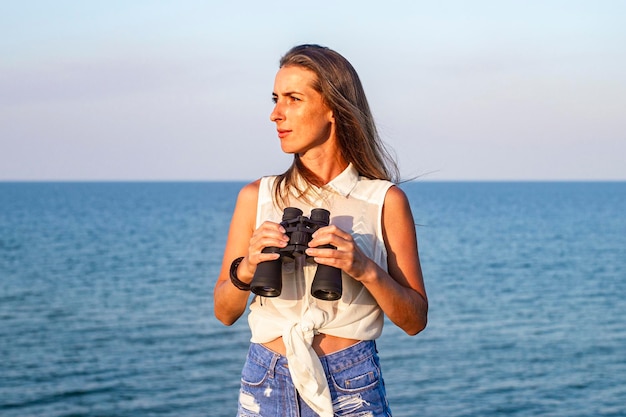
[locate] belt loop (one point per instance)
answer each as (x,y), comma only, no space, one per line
(272,366)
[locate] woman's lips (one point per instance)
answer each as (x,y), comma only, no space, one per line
(283,133)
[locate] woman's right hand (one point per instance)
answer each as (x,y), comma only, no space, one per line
(269,234)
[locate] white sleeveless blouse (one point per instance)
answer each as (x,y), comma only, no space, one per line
(355,204)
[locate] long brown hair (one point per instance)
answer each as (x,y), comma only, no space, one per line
(339,84)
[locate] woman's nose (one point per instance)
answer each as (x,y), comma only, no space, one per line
(276,114)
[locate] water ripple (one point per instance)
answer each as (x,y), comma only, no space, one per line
(106,308)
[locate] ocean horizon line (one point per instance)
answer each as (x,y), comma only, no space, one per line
(243,181)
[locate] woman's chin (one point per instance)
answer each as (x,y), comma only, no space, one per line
(288,149)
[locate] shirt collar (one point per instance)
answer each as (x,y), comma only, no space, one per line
(345,182)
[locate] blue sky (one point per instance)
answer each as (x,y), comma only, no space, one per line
(181,90)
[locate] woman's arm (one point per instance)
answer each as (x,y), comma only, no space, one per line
(399,292)
(229,302)
(406,303)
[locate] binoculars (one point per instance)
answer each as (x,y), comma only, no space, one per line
(267,280)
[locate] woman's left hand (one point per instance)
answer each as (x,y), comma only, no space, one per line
(344,255)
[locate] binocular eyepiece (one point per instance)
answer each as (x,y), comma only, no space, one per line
(267,280)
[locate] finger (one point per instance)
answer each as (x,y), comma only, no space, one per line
(269,234)
(332,240)
(326,253)
(331,257)
(269,256)
(330,235)
(270,228)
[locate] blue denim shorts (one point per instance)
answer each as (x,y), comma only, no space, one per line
(353,375)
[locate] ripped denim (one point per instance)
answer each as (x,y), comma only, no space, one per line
(354,377)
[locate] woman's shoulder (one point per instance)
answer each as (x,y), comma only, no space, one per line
(396,197)
(396,205)
(261,187)
(249,192)
(396,193)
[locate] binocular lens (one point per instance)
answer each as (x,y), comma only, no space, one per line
(266,291)
(326,295)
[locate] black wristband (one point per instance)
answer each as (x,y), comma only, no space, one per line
(233,275)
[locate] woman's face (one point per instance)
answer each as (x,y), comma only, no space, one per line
(303,120)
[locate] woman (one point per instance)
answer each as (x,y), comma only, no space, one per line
(309,356)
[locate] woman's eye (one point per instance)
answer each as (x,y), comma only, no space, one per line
(291,98)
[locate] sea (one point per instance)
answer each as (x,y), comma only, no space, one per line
(106,303)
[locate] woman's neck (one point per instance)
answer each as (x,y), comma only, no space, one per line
(326,161)
(325,167)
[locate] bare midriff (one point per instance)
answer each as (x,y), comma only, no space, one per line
(323,344)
